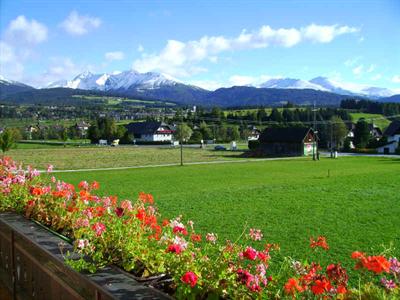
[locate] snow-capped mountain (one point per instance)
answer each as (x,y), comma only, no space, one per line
(328,85)
(6,81)
(116,81)
(9,87)
(377,92)
(331,85)
(290,83)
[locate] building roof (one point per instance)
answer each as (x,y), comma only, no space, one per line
(387,144)
(394,128)
(284,135)
(149,127)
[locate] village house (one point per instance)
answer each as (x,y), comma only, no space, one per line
(296,141)
(392,133)
(82,127)
(254,133)
(150,131)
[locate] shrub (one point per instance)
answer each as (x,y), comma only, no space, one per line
(132,235)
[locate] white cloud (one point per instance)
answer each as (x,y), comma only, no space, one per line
(140,48)
(210,85)
(24,31)
(178,58)
(361,69)
(325,34)
(370,69)
(396,79)
(352,61)
(376,77)
(115,55)
(242,80)
(7,53)
(76,24)
(18,44)
(358,70)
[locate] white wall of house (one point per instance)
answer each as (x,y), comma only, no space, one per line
(395,138)
(154,138)
(391,148)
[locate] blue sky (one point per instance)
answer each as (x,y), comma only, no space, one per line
(208,43)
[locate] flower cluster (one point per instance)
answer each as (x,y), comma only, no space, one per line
(131,235)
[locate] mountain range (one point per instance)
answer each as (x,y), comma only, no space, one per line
(157,86)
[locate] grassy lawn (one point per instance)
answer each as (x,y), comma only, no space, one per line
(381,121)
(89,157)
(356,208)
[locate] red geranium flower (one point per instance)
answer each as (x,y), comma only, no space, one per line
(320,242)
(321,286)
(175,248)
(250,253)
(179,229)
(99,228)
(119,211)
(196,237)
(189,278)
(292,286)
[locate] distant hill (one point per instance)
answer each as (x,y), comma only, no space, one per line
(9,87)
(184,95)
(250,96)
(67,96)
(393,99)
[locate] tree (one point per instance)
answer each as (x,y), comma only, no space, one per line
(362,134)
(339,130)
(94,133)
(7,140)
(64,135)
(196,137)
(276,116)
(183,132)
(205,131)
(233,133)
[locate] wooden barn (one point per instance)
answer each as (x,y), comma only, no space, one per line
(289,141)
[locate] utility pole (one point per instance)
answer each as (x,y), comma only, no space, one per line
(315,132)
(331,139)
(181,140)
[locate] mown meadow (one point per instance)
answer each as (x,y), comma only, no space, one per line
(352,201)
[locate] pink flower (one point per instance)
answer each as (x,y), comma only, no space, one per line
(83,185)
(49,168)
(99,228)
(189,278)
(211,237)
(388,284)
(82,243)
(255,234)
(126,204)
(81,222)
(250,253)
(394,265)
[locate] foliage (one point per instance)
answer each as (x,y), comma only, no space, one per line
(183,132)
(362,134)
(339,130)
(7,140)
(134,236)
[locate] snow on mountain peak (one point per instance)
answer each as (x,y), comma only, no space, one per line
(116,81)
(290,83)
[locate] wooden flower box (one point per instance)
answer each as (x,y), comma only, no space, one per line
(32,267)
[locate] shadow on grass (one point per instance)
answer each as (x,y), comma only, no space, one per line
(390,160)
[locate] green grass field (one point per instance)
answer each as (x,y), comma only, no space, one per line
(379,119)
(88,157)
(356,208)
